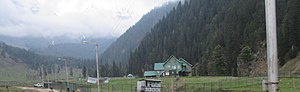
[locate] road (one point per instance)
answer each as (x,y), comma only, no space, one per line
(33,89)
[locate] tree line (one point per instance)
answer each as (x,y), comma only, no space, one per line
(219,37)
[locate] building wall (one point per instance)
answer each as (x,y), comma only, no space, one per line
(172,64)
(189,68)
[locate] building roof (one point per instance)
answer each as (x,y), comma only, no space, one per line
(150,73)
(159,66)
(151,80)
(172,56)
(184,62)
(181,61)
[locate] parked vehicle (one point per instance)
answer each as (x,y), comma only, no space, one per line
(38,85)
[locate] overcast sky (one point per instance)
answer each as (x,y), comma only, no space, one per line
(72,18)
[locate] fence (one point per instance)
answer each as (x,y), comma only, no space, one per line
(211,86)
(72,86)
(187,87)
(230,82)
(286,85)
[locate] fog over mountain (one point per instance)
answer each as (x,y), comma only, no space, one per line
(60,46)
(35,24)
(71,18)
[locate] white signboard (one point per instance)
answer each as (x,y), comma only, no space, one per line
(92,80)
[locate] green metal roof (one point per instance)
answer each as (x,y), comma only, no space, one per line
(150,73)
(184,62)
(172,56)
(159,66)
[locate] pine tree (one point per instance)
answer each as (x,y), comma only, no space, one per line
(71,71)
(84,72)
(244,61)
(219,61)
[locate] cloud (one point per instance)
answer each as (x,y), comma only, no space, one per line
(72,18)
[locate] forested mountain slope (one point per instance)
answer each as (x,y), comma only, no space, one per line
(19,64)
(120,50)
(219,37)
(15,59)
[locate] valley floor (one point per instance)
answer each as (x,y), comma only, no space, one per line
(32,89)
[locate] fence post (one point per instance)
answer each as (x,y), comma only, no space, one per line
(219,84)
(112,88)
(185,87)
(203,85)
(252,82)
(294,85)
(230,83)
(211,87)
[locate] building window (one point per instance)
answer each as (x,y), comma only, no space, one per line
(167,73)
(174,67)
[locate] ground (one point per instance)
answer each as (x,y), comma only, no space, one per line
(33,89)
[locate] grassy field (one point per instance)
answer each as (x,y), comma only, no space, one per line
(184,84)
(188,84)
(201,84)
(10,89)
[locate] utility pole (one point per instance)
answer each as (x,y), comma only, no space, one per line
(97,62)
(48,81)
(67,73)
(42,69)
(65,60)
(272,55)
(55,73)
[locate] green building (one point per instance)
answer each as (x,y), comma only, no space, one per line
(172,66)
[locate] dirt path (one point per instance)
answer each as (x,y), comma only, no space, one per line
(32,89)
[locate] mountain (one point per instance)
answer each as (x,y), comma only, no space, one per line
(19,64)
(10,70)
(63,46)
(77,50)
(119,51)
(219,37)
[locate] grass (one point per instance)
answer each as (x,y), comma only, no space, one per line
(190,84)
(185,84)
(285,85)
(201,84)
(11,89)
(15,73)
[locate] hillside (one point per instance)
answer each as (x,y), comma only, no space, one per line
(18,64)
(119,51)
(292,66)
(11,70)
(220,37)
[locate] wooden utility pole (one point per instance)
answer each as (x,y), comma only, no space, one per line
(272,55)
(42,69)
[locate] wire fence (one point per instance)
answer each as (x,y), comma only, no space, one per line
(211,86)
(225,84)
(71,86)
(175,86)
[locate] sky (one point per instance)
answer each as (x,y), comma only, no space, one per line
(71,18)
